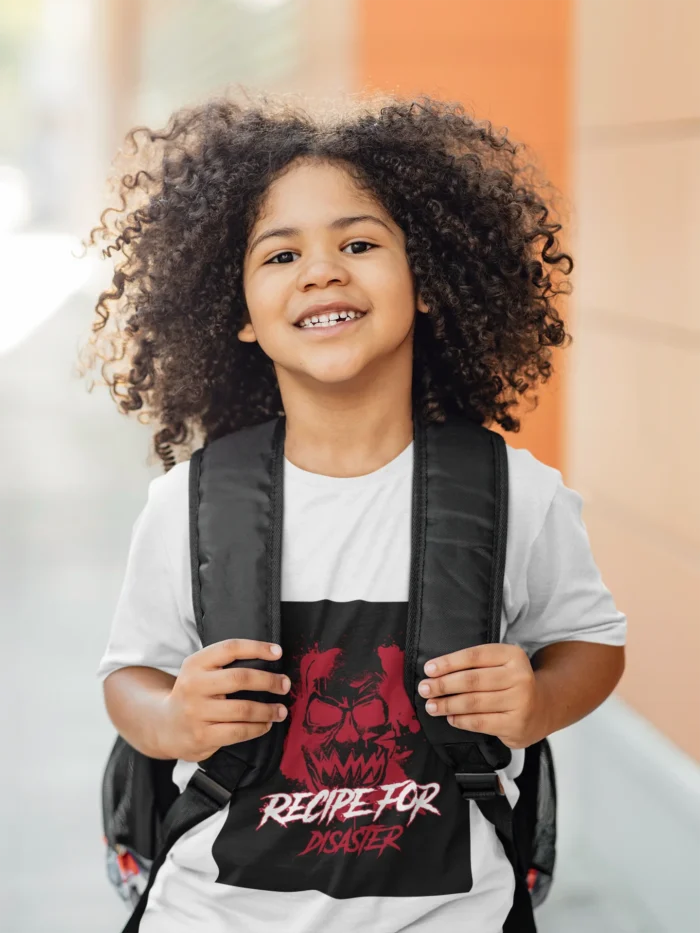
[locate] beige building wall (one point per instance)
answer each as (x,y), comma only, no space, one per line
(633,438)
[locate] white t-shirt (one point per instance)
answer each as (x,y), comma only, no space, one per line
(282,857)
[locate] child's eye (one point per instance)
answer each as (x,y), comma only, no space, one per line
(361,243)
(274,259)
(289,252)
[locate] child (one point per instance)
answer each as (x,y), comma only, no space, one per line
(415,280)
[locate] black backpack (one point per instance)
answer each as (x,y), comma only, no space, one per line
(459,518)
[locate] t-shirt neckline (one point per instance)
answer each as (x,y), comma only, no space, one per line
(400,465)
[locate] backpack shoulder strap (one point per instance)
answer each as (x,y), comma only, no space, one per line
(459,529)
(235,504)
(236,490)
(235,518)
(458,548)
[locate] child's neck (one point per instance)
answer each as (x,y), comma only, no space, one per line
(347,443)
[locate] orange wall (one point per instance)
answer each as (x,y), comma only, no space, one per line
(507,61)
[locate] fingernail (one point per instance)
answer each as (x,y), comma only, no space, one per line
(276,650)
(431,706)
(430,668)
(451,720)
(424,689)
(282,712)
(286,683)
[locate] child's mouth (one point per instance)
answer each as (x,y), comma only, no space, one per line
(330,323)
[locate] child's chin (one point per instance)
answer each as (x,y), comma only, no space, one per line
(338,371)
(338,378)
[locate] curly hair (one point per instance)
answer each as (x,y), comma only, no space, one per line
(477,240)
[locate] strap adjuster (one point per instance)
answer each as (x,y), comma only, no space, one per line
(210,788)
(485,784)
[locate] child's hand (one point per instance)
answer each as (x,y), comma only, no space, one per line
(491,689)
(199,719)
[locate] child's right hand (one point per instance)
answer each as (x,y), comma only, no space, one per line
(198,719)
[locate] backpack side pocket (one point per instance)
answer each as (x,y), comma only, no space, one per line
(535,820)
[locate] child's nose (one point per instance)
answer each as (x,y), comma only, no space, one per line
(323,271)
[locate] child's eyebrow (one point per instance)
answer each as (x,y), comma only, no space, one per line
(339,224)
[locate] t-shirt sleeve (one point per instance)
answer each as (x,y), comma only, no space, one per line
(564,597)
(151,625)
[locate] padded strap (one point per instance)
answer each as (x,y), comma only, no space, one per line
(458,550)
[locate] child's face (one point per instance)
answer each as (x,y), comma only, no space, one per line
(320,264)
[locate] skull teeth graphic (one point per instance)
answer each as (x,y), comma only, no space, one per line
(355,771)
(351,725)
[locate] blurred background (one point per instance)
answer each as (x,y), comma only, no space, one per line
(607,94)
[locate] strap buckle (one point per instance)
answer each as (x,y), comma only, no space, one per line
(210,788)
(485,784)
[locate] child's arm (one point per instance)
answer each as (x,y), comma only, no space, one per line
(135,698)
(572,679)
(188,716)
(562,616)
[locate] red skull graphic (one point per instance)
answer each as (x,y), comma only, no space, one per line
(349,727)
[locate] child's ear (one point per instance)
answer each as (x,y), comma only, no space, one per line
(246,334)
(422,306)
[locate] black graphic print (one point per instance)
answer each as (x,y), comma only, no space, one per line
(360,803)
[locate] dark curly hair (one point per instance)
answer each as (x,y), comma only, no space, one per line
(477,241)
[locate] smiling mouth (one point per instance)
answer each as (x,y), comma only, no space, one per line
(325,324)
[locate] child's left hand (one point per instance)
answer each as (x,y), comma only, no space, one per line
(490,688)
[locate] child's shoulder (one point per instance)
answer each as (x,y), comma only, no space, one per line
(529,475)
(168,490)
(532,488)
(164,519)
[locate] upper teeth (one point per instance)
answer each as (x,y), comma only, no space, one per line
(330,318)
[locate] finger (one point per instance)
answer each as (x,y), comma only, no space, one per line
(488,723)
(492,655)
(230,733)
(476,680)
(502,701)
(231,680)
(224,652)
(214,711)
